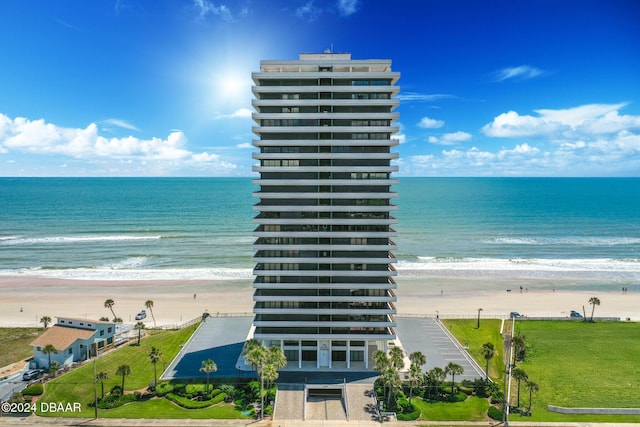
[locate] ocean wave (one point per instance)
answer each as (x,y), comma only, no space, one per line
(109,273)
(131,262)
(571,240)
(522,267)
(19,240)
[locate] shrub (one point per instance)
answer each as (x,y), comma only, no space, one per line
(495,413)
(219,398)
(114,401)
(408,416)
(497,397)
(163,388)
(197,404)
(215,392)
(33,390)
(466,390)
(116,390)
(458,397)
(229,390)
(194,389)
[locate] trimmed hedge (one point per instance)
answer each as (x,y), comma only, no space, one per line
(33,390)
(195,404)
(163,388)
(495,413)
(409,416)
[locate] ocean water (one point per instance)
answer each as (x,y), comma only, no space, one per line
(201,228)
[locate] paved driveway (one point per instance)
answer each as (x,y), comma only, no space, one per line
(220,339)
(426,335)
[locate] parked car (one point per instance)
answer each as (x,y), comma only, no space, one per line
(141,315)
(515,315)
(31,374)
(576,314)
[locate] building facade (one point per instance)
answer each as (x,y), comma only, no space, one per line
(74,340)
(324,267)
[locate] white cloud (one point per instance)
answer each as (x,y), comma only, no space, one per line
(37,137)
(428,123)
(522,72)
(347,7)
(605,155)
(426,97)
(590,119)
(241,113)
(121,124)
(205,7)
(450,138)
(308,11)
(244,145)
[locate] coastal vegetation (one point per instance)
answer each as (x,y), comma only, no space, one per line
(15,344)
(78,385)
(563,366)
(561,363)
(578,364)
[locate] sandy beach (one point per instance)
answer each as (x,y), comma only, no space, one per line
(24,301)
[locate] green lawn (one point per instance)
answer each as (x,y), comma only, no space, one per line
(466,333)
(77,386)
(15,344)
(581,364)
(472,409)
(162,408)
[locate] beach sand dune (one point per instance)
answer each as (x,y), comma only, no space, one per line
(23,301)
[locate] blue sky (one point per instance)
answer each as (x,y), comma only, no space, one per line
(162,87)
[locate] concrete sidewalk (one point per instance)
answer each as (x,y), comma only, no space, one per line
(34,421)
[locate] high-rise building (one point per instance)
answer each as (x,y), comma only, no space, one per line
(324,267)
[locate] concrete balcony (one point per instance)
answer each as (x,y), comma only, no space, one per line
(258,130)
(325,142)
(323,195)
(392,90)
(392,103)
(282,74)
(326,273)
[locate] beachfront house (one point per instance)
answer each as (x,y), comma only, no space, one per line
(74,339)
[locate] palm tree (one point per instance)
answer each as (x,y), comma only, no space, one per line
(207,367)
(533,387)
(123,370)
(109,304)
(149,304)
(53,368)
(488,351)
(396,356)
(594,301)
(453,369)
(437,375)
(253,352)
(276,357)
(382,364)
(414,375)
(45,320)
(394,381)
(48,349)
(139,327)
(155,355)
(519,345)
(102,376)
(519,375)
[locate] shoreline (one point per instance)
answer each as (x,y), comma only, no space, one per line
(26,299)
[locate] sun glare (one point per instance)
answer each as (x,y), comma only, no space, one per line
(233,86)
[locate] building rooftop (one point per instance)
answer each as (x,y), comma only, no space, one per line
(80,319)
(61,337)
